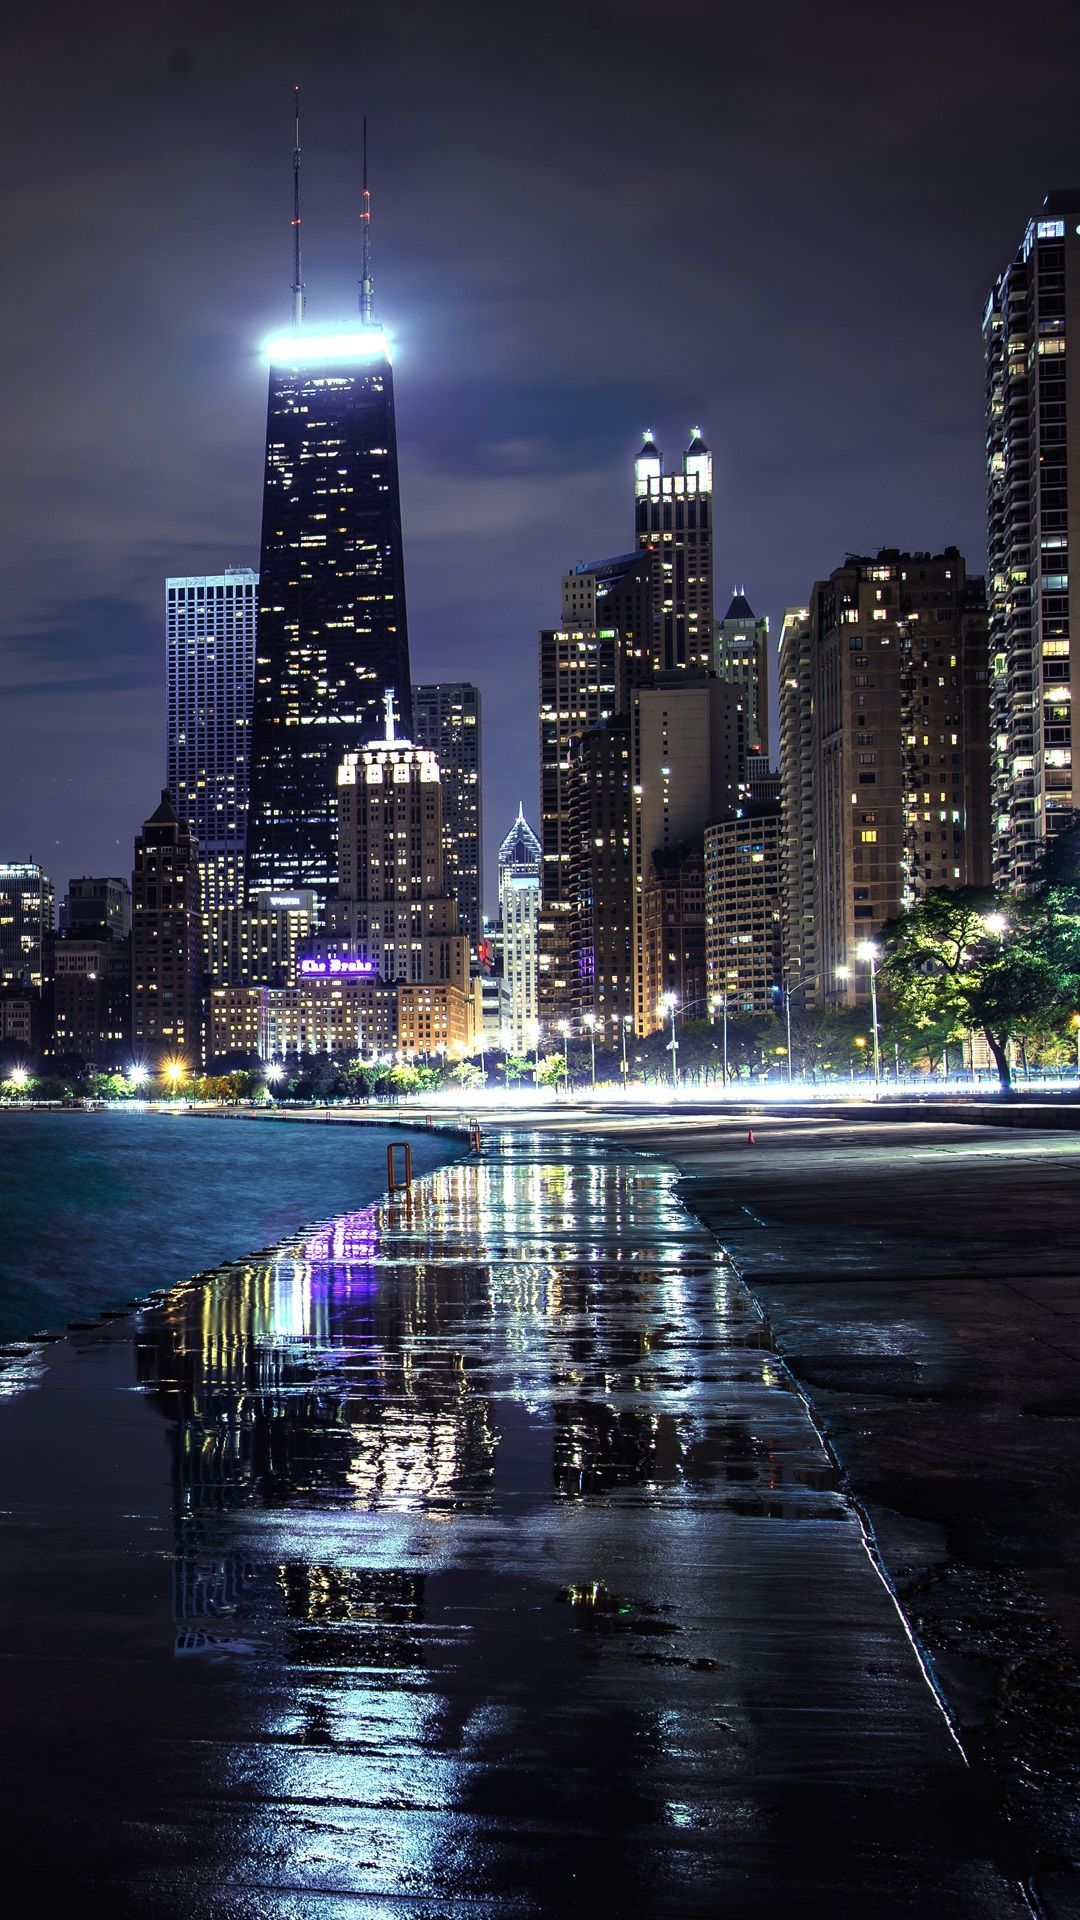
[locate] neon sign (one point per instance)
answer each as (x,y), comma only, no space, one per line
(335,969)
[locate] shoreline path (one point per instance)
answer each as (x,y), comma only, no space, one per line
(474,1557)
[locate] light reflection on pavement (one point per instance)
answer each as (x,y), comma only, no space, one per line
(475,1557)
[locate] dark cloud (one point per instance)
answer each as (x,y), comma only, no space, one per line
(781,221)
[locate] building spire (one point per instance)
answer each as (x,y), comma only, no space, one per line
(365,228)
(298,284)
(391,722)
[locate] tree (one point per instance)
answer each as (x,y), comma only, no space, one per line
(516,1066)
(552,1070)
(986,961)
(467,1075)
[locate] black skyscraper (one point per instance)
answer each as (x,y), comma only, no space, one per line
(331,632)
(331,629)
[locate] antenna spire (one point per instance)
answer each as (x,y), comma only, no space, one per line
(298,284)
(391,718)
(365,229)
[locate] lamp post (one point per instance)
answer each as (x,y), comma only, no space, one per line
(867,951)
(669,1004)
(564,1029)
(1076,1027)
(590,1022)
(787,1013)
(534,1036)
(627,1021)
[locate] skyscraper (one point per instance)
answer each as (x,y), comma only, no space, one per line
(446,719)
(741,656)
(27,899)
(588,668)
(673,519)
(166,946)
(687,744)
(332,632)
(209,679)
(519,902)
(392,911)
(884,701)
(1033,479)
(744,918)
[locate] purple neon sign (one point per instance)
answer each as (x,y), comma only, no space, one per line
(332,969)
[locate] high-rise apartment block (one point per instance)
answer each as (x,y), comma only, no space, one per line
(744,909)
(27,903)
(332,634)
(258,945)
(519,904)
(166,944)
(1033,458)
(601,875)
(885,718)
(446,719)
(673,518)
(210,623)
(741,656)
(577,691)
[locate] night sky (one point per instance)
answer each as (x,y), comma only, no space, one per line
(778,221)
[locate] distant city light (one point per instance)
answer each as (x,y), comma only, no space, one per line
(355,345)
(331,969)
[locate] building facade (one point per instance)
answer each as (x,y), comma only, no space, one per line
(885,706)
(602,876)
(741,656)
(447,720)
(744,913)
(27,912)
(210,624)
(258,945)
(673,525)
(798,784)
(520,862)
(166,941)
(671,919)
(98,906)
(1033,483)
(91,1000)
(332,635)
(687,747)
(328,1015)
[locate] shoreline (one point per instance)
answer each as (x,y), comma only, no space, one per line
(459,1500)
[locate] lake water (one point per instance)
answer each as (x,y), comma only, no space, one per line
(99,1208)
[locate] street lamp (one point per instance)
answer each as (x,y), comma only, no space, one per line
(137,1074)
(274,1072)
(564,1029)
(19,1077)
(669,1004)
(867,951)
(534,1041)
(174,1071)
(590,1023)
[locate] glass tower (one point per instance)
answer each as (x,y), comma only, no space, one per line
(209,670)
(331,629)
(1033,459)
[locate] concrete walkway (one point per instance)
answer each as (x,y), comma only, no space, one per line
(472,1559)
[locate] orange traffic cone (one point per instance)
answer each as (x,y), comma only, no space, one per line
(750,1141)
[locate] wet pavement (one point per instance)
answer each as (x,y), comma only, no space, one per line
(472,1558)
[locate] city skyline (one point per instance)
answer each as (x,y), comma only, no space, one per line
(532,461)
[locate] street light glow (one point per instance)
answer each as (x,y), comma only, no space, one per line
(866,950)
(995,923)
(19,1077)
